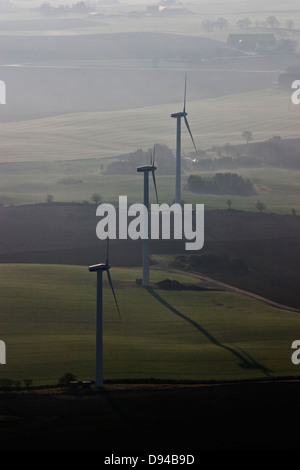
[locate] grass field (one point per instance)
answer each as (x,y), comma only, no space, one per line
(25,183)
(48,325)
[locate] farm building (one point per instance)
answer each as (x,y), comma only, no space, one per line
(163,8)
(252,42)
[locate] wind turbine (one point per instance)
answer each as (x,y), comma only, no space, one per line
(99,269)
(146,169)
(178,116)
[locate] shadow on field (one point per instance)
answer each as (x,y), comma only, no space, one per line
(245,360)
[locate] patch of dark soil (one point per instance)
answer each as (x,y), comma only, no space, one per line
(257,252)
(172,284)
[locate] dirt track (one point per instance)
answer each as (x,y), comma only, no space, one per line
(228,287)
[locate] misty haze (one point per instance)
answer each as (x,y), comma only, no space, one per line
(187,102)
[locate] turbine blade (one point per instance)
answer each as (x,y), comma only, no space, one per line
(153,159)
(155,187)
(113,291)
(184,99)
(107,249)
(190,132)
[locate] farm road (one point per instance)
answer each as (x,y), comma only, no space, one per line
(232,289)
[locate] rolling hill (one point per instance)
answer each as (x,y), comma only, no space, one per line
(266,244)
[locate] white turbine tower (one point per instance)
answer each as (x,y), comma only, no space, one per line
(99,269)
(178,116)
(146,169)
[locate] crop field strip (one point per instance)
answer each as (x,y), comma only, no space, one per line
(214,121)
(38,140)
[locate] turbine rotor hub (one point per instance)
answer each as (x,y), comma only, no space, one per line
(146,168)
(179,115)
(99,267)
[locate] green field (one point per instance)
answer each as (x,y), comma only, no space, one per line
(278,189)
(48,325)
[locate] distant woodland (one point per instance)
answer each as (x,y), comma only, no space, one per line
(221,183)
(128,163)
(274,152)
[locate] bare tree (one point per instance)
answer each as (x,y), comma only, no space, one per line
(28,382)
(96,198)
(229,203)
(208,25)
(247,136)
(244,23)
(272,21)
(222,23)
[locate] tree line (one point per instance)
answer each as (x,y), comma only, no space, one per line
(221,183)
(274,152)
(127,164)
(271,22)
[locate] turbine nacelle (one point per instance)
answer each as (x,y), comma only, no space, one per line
(150,168)
(146,168)
(181,114)
(99,267)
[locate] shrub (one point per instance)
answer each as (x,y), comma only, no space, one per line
(67,378)
(6,383)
